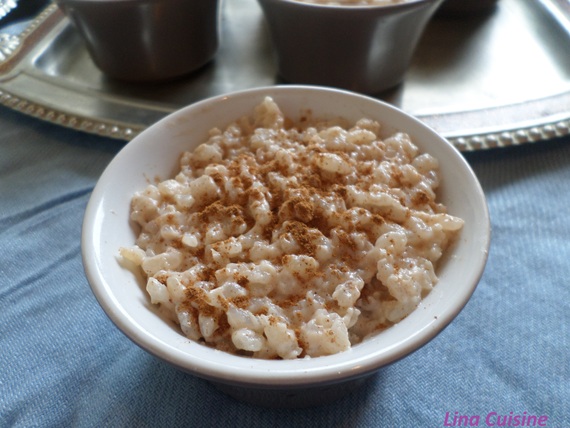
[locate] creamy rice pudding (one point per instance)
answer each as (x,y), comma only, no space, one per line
(292,240)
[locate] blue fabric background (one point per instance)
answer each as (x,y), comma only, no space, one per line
(63,363)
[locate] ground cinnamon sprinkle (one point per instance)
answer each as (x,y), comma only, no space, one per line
(300,240)
(301,233)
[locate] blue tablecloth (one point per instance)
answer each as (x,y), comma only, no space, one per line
(63,363)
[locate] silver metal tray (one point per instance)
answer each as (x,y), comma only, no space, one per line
(485,81)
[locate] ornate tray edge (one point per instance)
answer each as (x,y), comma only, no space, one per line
(515,137)
(62,118)
(12,47)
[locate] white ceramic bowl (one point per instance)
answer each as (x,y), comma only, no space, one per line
(154,153)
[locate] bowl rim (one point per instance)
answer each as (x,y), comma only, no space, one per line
(222,367)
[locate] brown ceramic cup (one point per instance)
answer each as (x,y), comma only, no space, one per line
(365,49)
(146,40)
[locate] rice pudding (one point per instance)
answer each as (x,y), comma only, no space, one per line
(292,240)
